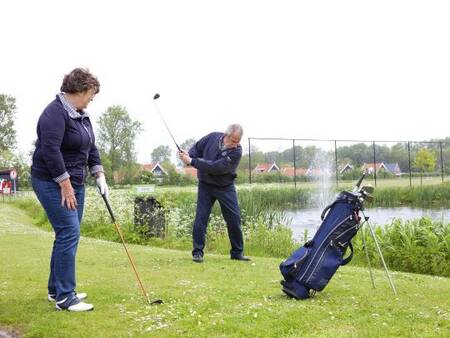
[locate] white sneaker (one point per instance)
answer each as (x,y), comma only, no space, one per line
(77,307)
(80,296)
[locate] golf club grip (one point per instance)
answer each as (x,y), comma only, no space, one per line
(109,208)
(358,184)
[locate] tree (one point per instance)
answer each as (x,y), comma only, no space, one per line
(161,153)
(186,145)
(425,161)
(116,137)
(7,112)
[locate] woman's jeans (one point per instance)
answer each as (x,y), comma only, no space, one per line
(66,224)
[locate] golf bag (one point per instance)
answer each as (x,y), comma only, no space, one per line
(310,268)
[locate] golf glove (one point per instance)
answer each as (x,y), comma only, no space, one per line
(102,186)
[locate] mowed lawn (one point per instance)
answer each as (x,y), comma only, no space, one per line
(219,298)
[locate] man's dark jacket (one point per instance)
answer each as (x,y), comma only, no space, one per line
(215,166)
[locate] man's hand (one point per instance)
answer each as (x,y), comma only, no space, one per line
(68,195)
(101,184)
(184,157)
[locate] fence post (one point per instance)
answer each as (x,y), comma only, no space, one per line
(295,166)
(442,162)
(336,163)
(249,162)
(409,164)
(374,165)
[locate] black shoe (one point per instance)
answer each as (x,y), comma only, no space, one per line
(197,258)
(241,258)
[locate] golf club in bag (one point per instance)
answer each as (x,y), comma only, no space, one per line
(157,301)
(310,268)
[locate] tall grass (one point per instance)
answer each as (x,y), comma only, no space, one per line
(266,233)
(415,246)
(426,196)
(420,246)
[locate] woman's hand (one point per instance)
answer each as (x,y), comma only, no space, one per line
(101,184)
(68,195)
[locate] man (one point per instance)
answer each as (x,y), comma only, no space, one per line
(216,158)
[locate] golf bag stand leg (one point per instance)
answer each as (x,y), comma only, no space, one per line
(363,236)
(381,255)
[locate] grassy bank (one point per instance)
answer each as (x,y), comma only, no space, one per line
(220,298)
(255,198)
(426,196)
(417,246)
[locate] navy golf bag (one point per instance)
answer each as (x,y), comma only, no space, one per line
(310,268)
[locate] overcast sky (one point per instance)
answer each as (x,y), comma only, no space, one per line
(375,70)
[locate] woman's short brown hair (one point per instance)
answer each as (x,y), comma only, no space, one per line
(79,80)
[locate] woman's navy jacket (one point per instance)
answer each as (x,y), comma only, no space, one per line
(65,146)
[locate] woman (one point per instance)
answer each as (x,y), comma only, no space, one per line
(65,147)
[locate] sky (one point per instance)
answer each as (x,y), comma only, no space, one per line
(369,70)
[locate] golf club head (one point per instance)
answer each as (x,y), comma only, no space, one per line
(367,197)
(368,189)
(156,96)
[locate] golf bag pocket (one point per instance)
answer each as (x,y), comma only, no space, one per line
(330,260)
(291,266)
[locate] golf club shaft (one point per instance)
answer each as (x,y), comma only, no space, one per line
(358,184)
(126,249)
(167,127)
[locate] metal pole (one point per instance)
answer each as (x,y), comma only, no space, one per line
(249,162)
(295,166)
(336,163)
(363,235)
(374,165)
(442,162)
(409,164)
(381,256)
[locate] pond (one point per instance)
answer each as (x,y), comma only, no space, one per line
(309,219)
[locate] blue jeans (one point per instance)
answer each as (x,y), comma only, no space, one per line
(66,224)
(227,197)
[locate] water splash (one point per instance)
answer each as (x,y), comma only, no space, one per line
(321,171)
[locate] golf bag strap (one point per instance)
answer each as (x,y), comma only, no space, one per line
(328,207)
(350,257)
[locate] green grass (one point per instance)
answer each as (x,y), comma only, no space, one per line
(219,298)
(420,246)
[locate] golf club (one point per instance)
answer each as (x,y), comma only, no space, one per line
(156,97)
(158,301)
(368,189)
(358,184)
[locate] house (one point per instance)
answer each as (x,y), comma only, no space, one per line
(155,168)
(344,168)
(289,171)
(391,168)
(189,171)
(266,168)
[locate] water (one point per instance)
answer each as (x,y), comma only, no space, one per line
(309,219)
(321,167)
